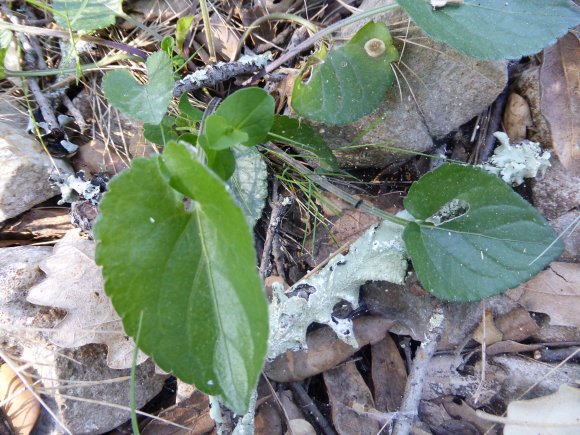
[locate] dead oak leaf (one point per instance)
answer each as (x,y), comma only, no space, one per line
(74,283)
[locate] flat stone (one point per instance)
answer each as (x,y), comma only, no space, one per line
(439,89)
(25,171)
(557,192)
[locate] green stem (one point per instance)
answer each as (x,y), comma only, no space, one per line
(272,17)
(326,185)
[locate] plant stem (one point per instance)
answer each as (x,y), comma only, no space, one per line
(321,34)
(326,185)
(272,17)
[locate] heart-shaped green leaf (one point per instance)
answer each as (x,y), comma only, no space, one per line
(161,134)
(350,81)
(249,110)
(496,29)
(147,103)
(188,267)
(481,239)
(219,134)
(83,15)
(303,137)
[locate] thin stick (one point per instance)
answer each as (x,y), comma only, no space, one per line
(306,402)
(416,380)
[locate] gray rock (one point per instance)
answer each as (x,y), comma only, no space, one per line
(25,171)
(448,89)
(557,192)
(55,367)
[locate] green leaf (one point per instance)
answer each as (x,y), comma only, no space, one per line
(496,29)
(219,134)
(251,111)
(167,45)
(189,269)
(5,38)
(222,162)
(482,238)
(160,134)
(147,103)
(303,137)
(181,29)
(187,110)
(350,81)
(86,15)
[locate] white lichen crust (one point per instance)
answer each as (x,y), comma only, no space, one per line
(515,162)
(378,255)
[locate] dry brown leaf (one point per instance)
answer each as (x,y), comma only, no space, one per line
(74,283)
(39,224)
(346,390)
(325,350)
(509,346)
(300,427)
(517,325)
(19,404)
(555,291)
(517,118)
(268,420)
(560,99)
(389,375)
(192,413)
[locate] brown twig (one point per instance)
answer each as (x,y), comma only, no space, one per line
(416,379)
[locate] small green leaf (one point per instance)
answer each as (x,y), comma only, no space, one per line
(496,29)
(222,162)
(181,28)
(147,103)
(481,239)
(350,81)
(220,135)
(249,110)
(83,15)
(5,38)
(303,137)
(187,110)
(167,45)
(188,268)
(160,134)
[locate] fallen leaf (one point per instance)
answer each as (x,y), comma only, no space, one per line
(18,404)
(560,99)
(486,332)
(517,118)
(268,420)
(555,291)
(389,375)
(346,390)
(556,414)
(74,283)
(325,350)
(517,325)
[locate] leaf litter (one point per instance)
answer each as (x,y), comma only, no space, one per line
(362,402)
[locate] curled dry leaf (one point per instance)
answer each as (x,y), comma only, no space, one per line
(517,118)
(486,332)
(18,403)
(325,350)
(560,100)
(555,291)
(74,283)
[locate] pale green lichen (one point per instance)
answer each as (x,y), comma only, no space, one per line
(515,162)
(378,255)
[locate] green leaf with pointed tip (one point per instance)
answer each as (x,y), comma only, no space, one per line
(350,81)
(482,238)
(303,137)
(219,134)
(147,103)
(83,15)
(249,110)
(181,29)
(186,109)
(189,267)
(496,29)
